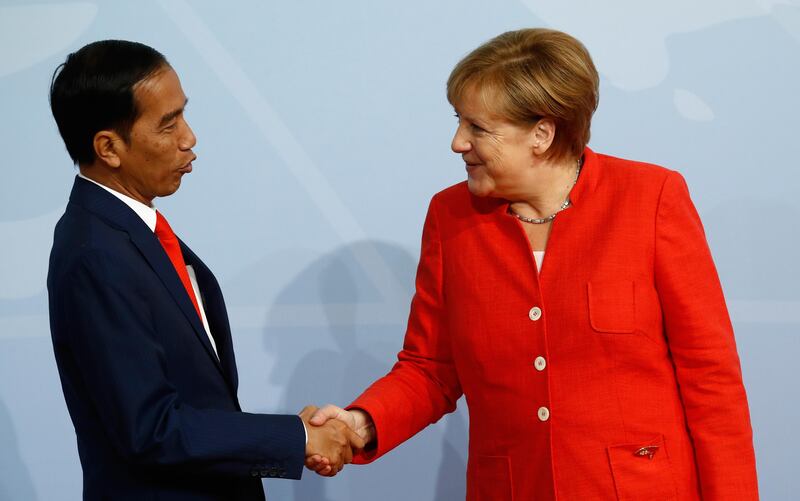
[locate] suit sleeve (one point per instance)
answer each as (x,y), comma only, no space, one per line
(423,385)
(122,368)
(703,349)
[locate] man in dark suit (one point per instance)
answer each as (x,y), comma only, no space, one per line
(139,326)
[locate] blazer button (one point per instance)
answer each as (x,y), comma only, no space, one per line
(535,313)
(543,413)
(539,363)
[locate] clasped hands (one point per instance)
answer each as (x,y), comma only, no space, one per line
(334,435)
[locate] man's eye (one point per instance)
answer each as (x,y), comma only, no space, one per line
(169,128)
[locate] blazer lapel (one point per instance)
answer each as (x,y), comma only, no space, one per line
(115,212)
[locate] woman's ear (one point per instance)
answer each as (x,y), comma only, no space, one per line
(106,146)
(544,132)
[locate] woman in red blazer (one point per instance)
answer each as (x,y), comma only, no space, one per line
(571,297)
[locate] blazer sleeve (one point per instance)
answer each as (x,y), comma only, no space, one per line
(703,349)
(111,337)
(423,385)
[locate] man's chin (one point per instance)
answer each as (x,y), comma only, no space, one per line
(170,189)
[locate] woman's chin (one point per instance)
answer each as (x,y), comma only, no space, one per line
(478,187)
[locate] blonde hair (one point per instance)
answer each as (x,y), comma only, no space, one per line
(534,73)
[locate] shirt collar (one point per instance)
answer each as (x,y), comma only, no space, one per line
(147,213)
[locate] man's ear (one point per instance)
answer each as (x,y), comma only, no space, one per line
(107,147)
(544,132)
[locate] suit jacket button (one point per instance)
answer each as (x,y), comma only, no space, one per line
(254,472)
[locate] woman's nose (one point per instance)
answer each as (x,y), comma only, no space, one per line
(460,143)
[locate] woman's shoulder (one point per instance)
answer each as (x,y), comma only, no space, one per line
(458,195)
(454,192)
(626,167)
(633,172)
(456,202)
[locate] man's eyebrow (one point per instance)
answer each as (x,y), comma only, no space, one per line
(167,118)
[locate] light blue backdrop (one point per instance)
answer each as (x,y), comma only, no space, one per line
(324,130)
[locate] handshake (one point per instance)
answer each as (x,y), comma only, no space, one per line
(334,435)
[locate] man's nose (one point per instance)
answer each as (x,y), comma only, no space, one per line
(188,140)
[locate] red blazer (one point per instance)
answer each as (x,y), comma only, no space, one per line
(611,373)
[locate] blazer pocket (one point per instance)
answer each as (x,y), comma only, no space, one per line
(491,479)
(642,470)
(612,306)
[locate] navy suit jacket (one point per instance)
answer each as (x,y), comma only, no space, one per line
(155,411)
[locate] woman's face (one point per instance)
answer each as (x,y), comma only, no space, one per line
(498,154)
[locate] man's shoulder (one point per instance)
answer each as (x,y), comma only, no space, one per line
(86,230)
(83,240)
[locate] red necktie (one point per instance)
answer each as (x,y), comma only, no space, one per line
(173,249)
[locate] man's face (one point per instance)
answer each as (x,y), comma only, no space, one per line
(159,151)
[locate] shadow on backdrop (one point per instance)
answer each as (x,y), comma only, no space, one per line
(757,262)
(336,359)
(451,481)
(754,254)
(15,480)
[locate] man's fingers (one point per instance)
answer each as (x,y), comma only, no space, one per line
(338,458)
(347,455)
(307,411)
(321,466)
(315,461)
(356,442)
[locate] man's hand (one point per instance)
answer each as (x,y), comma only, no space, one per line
(332,442)
(355,419)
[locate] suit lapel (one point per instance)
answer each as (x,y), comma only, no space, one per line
(107,207)
(217,315)
(152,251)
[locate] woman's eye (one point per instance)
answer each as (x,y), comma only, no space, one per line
(476,128)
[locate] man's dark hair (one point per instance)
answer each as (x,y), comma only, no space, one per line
(93,91)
